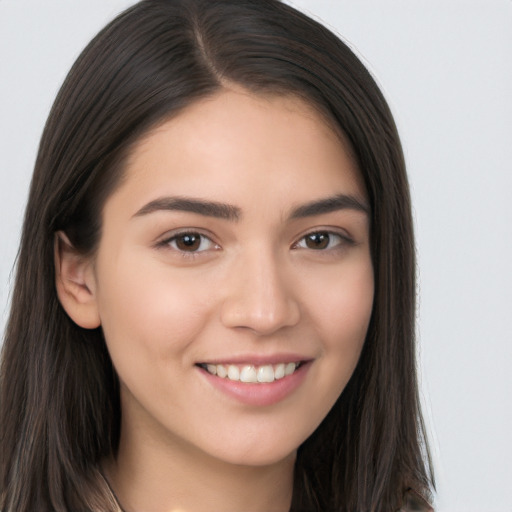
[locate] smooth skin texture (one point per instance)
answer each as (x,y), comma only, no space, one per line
(262,276)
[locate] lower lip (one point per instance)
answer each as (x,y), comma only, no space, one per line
(259,394)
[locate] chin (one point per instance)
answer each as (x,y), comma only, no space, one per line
(261,459)
(255,451)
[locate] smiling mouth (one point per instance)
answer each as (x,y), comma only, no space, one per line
(251,373)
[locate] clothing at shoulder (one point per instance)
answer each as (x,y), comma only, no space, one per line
(414,502)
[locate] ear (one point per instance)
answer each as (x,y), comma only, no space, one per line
(75,283)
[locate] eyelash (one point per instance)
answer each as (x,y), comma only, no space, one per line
(171,241)
(343,240)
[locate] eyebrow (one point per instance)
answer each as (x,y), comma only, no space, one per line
(233,213)
(187,204)
(330,204)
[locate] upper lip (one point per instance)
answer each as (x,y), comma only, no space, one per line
(258,359)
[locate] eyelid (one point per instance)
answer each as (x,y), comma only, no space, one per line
(345,238)
(168,238)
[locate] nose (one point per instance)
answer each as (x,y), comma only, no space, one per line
(259,296)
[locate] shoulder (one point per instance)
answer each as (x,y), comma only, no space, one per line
(414,502)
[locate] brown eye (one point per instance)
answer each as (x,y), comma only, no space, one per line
(190,242)
(317,240)
(322,240)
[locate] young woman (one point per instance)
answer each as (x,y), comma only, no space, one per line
(214,303)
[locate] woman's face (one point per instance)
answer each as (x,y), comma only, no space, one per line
(238,243)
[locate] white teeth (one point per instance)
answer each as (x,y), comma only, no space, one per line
(252,373)
(265,373)
(248,374)
(221,371)
(279,371)
(233,372)
(290,368)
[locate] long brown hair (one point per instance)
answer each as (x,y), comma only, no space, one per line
(59,397)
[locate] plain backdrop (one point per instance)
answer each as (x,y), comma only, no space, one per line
(446,68)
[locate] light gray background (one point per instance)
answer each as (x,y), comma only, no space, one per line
(445,67)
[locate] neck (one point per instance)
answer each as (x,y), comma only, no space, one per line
(179,477)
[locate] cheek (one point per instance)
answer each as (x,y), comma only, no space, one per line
(147,308)
(341,314)
(343,305)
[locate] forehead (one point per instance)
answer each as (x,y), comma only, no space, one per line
(235,141)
